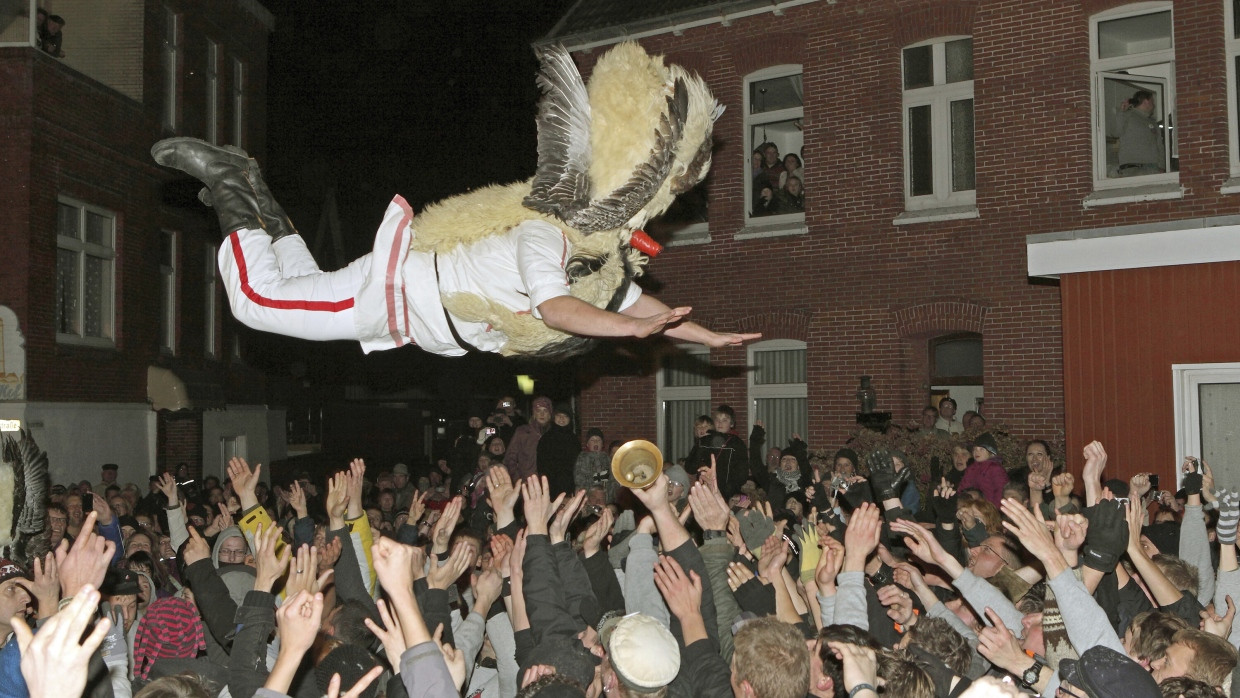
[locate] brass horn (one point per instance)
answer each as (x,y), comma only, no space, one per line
(637,464)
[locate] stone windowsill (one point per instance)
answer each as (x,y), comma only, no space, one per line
(934,215)
(1132,195)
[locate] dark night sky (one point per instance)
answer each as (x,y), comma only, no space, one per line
(411,97)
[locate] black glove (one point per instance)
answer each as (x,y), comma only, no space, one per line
(936,472)
(1107,537)
(1192,483)
(756,597)
(857,494)
(944,509)
(976,534)
(886,481)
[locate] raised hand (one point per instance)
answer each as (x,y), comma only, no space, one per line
(501,548)
(333,685)
(861,537)
(1062,484)
(774,556)
(564,516)
(898,602)
(244,481)
(442,576)
(268,567)
(197,548)
(356,480)
(829,564)
(298,620)
(86,562)
(538,504)
(441,533)
(329,553)
(997,644)
(709,508)
(655,495)
(683,593)
(389,634)
(45,587)
(296,498)
(1031,530)
(337,501)
(54,662)
(1070,532)
(304,568)
(738,574)
(393,563)
(417,507)
(168,486)
(1138,486)
(1218,625)
(501,495)
(592,542)
(454,658)
(101,507)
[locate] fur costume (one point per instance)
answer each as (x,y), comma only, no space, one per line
(23,497)
(611,156)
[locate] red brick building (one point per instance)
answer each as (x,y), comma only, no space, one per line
(975,220)
(116,345)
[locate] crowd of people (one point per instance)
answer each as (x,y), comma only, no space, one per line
(778,184)
(516,566)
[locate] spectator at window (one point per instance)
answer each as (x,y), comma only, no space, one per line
(1140,139)
(790,199)
(54,37)
(792,168)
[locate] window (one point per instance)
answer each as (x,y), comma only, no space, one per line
(773,115)
(231,447)
(211,337)
(85,274)
(213,92)
(938,124)
(172,72)
(1133,64)
(1207,400)
(956,371)
(777,392)
(684,222)
(1232,24)
(682,387)
(168,291)
(238,99)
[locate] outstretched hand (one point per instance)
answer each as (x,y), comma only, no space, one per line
(654,324)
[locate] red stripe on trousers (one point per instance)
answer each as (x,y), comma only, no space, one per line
(243,273)
(390,277)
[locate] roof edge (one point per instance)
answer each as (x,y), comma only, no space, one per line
(262,14)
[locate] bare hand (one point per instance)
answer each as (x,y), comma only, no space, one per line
(997,644)
(454,658)
(55,661)
(244,481)
(1062,484)
(738,574)
(102,508)
(774,556)
(1139,485)
(592,542)
(1218,625)
(390,634)
(393,565)
(898,602)
(829,564)
(1095,460)
(441,533)
(86,562)
(303,575)
(197,548)
(861,536)
(298,620)
(564,516)
(417,507)
(654,324)
(682,593)
(730,339)
(296,498)
(268,566)
(333,686)
(168,486)
(442,576)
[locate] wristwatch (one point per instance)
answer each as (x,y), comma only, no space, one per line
(1032,674)
(711,535)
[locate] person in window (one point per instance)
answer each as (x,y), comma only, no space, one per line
(790,199)
(53,37)
(792,168)
(764,204)
(772,164)
(1140,139)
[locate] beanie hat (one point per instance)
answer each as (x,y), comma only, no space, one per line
(677,475)
(10,570)
(643,653)
(543,401)
(595,432)
(351,662)
(119,582)
(987,441)
(848,453)
(170,629)
(568,656)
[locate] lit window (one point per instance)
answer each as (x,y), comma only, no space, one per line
(1133,63)
(85,274)
(682,393)
(938,124)
(213,92)
(774,113)
(168,291)
(777,389)
(171,67)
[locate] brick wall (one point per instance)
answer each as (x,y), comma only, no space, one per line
(866,294)
(180,441)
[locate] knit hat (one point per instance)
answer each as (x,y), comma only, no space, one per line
(677,475)
(1057,646)
(595,431)
(10,570)
(643,653)
(1101,672)
(118,582)
(543,401)
(987,441)
(568,656)
(351,662)
(400,469)
(1165,536)
(848,453)
(170,629)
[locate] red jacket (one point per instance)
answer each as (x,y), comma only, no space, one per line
(987,476)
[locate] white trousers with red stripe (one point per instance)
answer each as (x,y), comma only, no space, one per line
(279,287)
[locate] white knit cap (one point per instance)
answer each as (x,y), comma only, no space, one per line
(643,653)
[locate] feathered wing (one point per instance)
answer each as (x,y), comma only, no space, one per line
(561,185)
(615,209)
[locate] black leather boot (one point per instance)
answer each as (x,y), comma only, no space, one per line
(276,221)
(225,172)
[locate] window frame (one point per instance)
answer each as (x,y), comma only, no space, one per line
(211,339)
(213,93)
(939,97)
(168,278)
(755,392)
(664,394)
(934,342)
(750,120)
(1100,67)
(83,249)
(1186,380)
(238,101)
(171,69)
(1232,43)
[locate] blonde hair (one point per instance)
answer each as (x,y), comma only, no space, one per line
(771,656)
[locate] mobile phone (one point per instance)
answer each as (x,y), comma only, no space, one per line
(490,431)
(1154,482)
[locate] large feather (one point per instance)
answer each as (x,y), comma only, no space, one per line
(561,185)
(619,206)
(26,510)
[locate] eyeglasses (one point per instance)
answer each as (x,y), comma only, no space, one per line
(232,554)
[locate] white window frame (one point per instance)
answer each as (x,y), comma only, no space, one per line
(238,100)
(1185,381)
(786,220)
(1100,66)
(171,67)
(780,390)
(232,447)
(1233,115)
(211,311)
(82,250)
(168,295)
(213,93)
(664,394)
(939,97)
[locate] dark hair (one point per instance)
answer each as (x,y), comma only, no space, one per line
(939,638)
(948,399)
(832,667)
(930,408)
(1140,96)
(349,625)
(793,155)
(1046,446)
